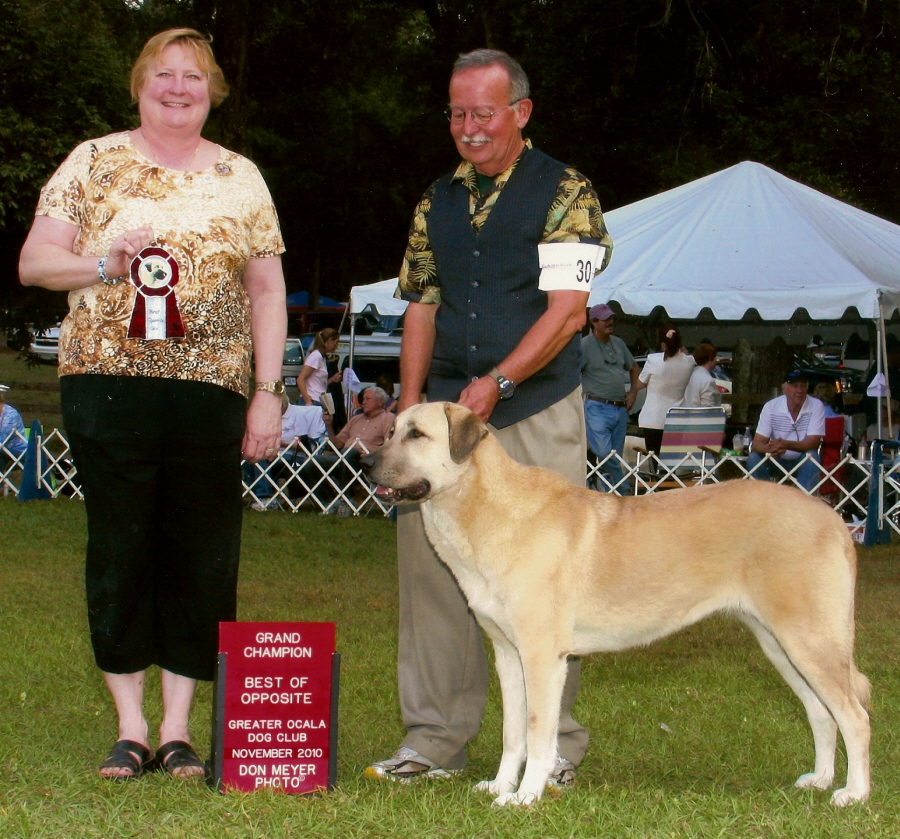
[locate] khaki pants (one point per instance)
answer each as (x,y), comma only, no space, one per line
(442,667)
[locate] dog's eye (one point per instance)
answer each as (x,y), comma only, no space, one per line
(414,433)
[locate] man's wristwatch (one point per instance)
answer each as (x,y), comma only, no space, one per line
(271,387)
(507,388)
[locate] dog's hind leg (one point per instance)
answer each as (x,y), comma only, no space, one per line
(827,673)
(512,689)
(824,728)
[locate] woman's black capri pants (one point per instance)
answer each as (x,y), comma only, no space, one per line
(159,463)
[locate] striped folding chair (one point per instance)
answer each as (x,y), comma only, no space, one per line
(691,441)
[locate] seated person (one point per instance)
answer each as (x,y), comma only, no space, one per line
(364,433)
(890,422)
(790,426)
(385,382)
(10,423)
(826,393)
(299,423)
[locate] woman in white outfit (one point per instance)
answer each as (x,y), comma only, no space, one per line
(665,375)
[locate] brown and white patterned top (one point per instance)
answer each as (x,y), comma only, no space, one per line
(212,222)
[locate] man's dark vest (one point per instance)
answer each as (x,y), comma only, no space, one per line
(489,289)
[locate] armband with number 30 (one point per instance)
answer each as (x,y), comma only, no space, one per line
(569,266)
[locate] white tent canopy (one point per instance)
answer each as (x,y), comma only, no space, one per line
(749,238)
(380,294)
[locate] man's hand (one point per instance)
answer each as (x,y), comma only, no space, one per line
(481,397)
(776,448)
(630,398)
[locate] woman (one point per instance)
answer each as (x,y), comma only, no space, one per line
(170,249)
(702,390)
(313,380)
(665,375)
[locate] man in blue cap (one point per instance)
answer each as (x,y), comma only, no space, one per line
(791,427)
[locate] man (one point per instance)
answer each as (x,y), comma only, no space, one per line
(604,360)
(790,427)
(364,433)
(497,272)
(297,422)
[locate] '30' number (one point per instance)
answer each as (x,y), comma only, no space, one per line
(585,272)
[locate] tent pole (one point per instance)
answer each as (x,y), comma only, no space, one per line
(882,363)
(348,397)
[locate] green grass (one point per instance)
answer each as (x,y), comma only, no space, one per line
(734,741)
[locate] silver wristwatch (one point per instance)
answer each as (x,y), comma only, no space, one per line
(507,388)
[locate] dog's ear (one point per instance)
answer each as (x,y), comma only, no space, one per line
(466,431)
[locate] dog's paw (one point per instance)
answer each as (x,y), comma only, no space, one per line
(843,797)
(815,780)
(495,787)
(514,799)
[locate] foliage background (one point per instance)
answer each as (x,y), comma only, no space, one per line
(339,102)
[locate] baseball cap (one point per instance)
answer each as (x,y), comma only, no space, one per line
(601,312)
(794,376)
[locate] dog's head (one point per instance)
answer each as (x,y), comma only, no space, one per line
(426,454)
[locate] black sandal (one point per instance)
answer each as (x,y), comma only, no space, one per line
(127,754)
(177,754)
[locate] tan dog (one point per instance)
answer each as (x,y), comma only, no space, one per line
(552,570)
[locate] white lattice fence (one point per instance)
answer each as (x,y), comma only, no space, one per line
(318,477)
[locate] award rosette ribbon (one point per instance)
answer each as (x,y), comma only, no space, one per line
(155,316)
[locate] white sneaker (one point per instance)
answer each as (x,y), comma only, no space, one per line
(339,508)
(265,504)
(407,765)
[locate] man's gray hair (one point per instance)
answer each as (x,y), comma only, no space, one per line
(518,81)
(380,394)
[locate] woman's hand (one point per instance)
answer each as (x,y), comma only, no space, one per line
(126,247)
(263,433)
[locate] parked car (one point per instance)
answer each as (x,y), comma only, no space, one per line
(46,344)
(373,355)
(291,365)
(844,379)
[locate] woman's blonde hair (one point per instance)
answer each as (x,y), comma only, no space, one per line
(322,337)
(192,39)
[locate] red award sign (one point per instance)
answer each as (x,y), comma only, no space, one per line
(275,724)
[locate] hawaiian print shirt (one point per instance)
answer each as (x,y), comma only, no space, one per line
(211,223)
(574,216)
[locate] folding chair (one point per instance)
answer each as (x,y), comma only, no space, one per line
(830,454)
(692,439)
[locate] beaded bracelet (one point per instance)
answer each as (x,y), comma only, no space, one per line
(101,272)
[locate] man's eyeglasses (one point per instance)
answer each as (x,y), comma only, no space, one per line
(480,116)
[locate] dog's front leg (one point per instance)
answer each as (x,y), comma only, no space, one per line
(544,668)
(512,689)
(544,672)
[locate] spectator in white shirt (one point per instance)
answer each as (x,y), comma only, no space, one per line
(790,427)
